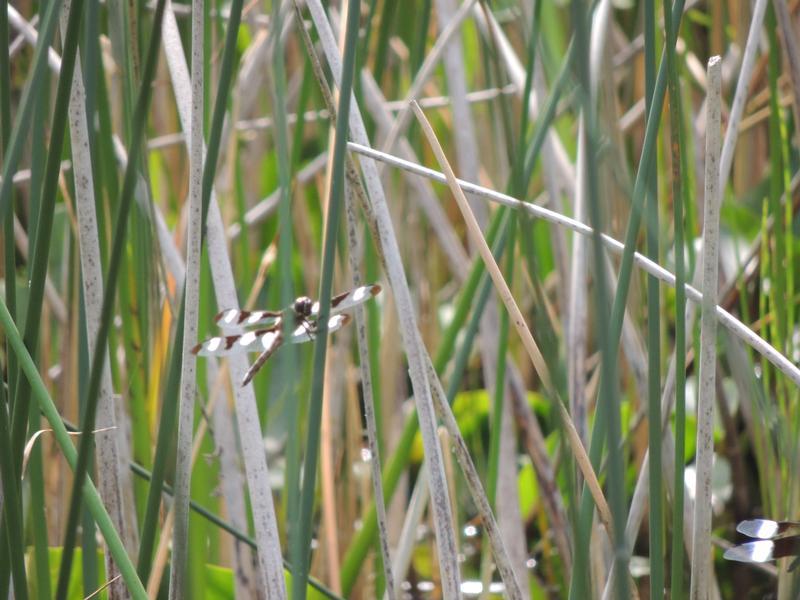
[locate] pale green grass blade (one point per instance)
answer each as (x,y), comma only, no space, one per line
(179,581)
(680,190)
(164,447)
(656,511)
(300,549)
(126,200)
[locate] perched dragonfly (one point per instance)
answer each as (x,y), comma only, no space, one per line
(773,540)
(268,333)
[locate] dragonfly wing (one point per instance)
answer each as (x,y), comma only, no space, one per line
(234,317)
(350,299)
(759,551)
(765,529)
(226,345)
(786,546)
(305,332)
(268,340)
(765,550)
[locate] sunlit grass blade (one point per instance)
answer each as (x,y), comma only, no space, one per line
(269,573)
(702,572)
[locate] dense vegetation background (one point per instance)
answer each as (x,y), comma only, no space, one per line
(507,395)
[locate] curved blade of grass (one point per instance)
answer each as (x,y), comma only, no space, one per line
(45,215)
(47,197)
(739,329)
(48,408)
(531,348)
(146,475)
(12,506)
(125,202)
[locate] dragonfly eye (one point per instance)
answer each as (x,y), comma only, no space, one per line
(302,306)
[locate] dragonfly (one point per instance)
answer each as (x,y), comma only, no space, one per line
(268,332)
(772,540)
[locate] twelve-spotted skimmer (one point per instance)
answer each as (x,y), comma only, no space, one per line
(772,541)
(269,337)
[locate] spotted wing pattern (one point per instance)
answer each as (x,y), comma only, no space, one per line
(270,336)
(772,541)
(350,299)
(251,341)
(234,318)
(264,341)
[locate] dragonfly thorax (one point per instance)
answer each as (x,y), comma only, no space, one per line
(302,306)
